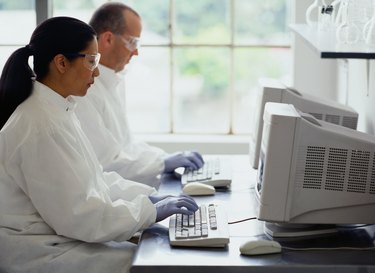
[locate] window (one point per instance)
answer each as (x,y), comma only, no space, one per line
(199,62)
(15,33)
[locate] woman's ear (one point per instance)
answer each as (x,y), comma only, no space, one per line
(61,63)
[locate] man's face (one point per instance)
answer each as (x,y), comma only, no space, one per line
(126,44)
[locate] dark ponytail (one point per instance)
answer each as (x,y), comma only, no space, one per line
(15,83)
(54,36)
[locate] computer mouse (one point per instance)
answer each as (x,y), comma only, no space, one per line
(197,188)
(260,247)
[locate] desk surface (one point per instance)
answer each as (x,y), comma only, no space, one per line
(156,255)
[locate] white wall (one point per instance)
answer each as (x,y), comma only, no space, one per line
(311,74)
(361,92)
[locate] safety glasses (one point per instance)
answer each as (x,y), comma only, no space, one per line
(91,61)
(132,43)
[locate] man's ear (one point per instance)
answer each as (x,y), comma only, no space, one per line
(61,63)
(106,39)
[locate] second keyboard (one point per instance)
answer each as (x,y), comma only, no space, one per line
(216,172)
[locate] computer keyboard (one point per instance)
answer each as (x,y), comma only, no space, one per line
(208,227)
(216,172)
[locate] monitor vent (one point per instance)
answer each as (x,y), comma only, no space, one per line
(346,121)
(350,122)
(336,169)
(313,175)
(358,169)
(317,115)
(372,182)
(335,119)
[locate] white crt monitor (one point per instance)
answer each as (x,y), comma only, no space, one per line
(271,90)
(314,172)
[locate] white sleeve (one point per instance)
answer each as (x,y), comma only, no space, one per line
(136,161)
(74,197)
(125,189)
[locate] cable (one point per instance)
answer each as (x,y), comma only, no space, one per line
(327,248)
(241,189)
(242,220)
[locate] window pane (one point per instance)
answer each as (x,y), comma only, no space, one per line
(5,52)
(203,21)
(261,22)
(82,10)
(17,21)
(250,65)
(155,20)
(201,86)
(148,90)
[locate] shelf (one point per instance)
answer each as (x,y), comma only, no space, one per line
(324,43)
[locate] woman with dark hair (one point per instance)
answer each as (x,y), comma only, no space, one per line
(58,211)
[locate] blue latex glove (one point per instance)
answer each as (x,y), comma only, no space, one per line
(192,160)
(175,204)
(156,198)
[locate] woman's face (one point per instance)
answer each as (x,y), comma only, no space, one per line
(81,73)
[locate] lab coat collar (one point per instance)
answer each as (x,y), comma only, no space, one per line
(109,77)
(67,104)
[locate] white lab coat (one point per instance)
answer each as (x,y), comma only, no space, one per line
(58,211)
(102,113)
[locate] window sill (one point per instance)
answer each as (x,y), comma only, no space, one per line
(205,144)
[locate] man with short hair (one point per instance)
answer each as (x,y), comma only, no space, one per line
(103,113)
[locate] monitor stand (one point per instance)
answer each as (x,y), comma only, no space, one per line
(281,230)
